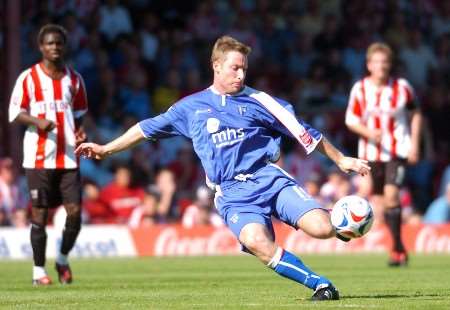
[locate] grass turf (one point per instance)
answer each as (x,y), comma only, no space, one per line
(239,282)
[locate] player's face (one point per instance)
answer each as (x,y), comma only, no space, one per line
(229,72)
(379,65)
(52,47)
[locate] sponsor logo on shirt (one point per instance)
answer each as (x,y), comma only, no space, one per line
(212,125)
(224,137)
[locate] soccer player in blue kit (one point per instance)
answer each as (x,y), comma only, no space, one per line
(236,131)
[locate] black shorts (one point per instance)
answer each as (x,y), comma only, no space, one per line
(392,172)
(49,188)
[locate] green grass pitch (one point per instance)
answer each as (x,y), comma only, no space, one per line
(238,282)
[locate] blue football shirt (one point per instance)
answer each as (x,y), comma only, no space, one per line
(232,134)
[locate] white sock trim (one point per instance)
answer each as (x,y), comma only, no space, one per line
(39,272)
(276,258)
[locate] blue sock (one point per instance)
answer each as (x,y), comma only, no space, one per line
(290,266)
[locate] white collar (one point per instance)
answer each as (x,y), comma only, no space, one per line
(215,91)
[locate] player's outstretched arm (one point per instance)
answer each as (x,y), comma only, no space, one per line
(93,150)
(344,163)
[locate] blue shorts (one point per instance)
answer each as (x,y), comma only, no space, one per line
(269,192)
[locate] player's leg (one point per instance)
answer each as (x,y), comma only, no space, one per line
(37,184)
(395,172)
(317,224)
(70,189)
(258,240)
(298,209)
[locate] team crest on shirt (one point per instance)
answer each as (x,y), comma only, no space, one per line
(212,125)
(242,109)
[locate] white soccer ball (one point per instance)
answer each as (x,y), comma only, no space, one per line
(352,216)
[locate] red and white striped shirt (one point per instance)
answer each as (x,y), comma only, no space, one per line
(383,108)
(60,101)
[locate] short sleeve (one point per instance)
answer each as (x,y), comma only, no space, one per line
(353,114)
(80,103)
(20,97)
(410,96)
(174,122)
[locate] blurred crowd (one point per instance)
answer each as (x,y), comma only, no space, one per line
(138,57)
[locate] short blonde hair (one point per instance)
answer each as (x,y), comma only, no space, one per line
(379,47)
(225,44)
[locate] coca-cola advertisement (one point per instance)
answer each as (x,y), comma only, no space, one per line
(174,240)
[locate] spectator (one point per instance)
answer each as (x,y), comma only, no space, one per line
(19,218)
(10,198)
(114,20)
(202,211)
(77,34)
(440,23)
(312,187)
(418,59)
(336,187)
(301,166)
(165,183)
(148,213)
(120,197)
(300,55)
(96,211)
(439,210)
(396,34)
(186,170)
(204,23)
(135,98)
(192,83)
(4,218)
(148,36)
(329,37)
(167,93)
(311,20)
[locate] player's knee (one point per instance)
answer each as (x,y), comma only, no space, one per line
(321,228)
(73,210)
(324,230)
(260,246)
(317,224)
(391,195)
(39,216)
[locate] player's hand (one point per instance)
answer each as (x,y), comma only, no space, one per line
(91,150)
(80,136)
(45,124)
(348,164)
(413,156)
(375,135)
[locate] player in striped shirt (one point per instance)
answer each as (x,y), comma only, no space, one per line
(383,111)
(50,99)
(236,132)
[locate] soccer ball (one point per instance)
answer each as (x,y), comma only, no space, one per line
(352,216)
